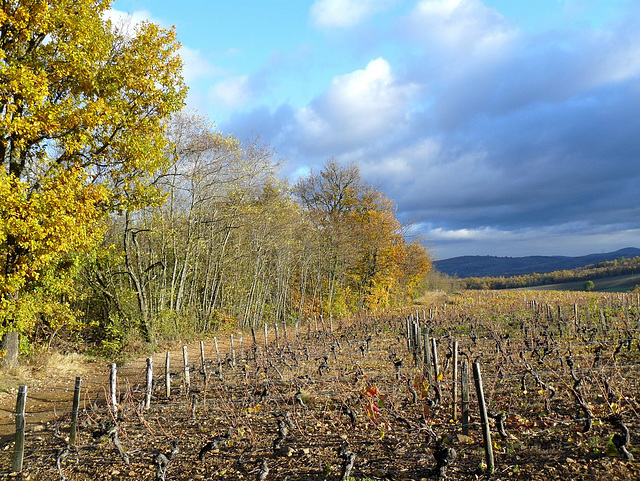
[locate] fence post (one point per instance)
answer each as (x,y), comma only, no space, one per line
(18,450)
(464,379)
(167,375)
(484,418)
(187,378)
(113,383)
(147,401)
(74,412)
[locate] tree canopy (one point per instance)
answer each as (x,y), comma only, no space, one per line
(83,105)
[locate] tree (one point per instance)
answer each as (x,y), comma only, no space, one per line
(364,253)
(82,109)
(588,286)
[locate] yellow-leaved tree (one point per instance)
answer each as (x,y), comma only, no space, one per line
(82,110)
(365,258)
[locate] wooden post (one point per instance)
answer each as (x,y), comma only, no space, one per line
(215,341)
(167,375)
(187,378)
(74,412)
(464,380)
(203,361)
(147,402)
(233,352)
(277,336)
(484,418)
(454,388)
(113,382)
(266,338)
(436,370)
(18,449)
(297,326)
(427,351)
(434,356)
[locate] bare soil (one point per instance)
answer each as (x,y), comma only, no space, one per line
(346,389)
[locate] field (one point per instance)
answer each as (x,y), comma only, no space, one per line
(606,284)
(354,400)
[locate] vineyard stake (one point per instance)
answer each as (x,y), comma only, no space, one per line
(147,403)
(74,411)
(167,375)
(18,450)
(266,339)
(454,387)
(113,389)
(484,419)
(187,378)
(203,360)
(427,351)
(464,380)
(233,351)
(434,355)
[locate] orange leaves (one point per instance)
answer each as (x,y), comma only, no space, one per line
(370,391)
(372,401)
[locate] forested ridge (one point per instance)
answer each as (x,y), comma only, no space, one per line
(124,218)
(604,269)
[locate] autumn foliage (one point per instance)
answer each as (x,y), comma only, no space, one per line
(126,218)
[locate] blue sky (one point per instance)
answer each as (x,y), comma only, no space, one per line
(499,127)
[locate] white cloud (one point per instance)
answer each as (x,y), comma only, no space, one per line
(356,107)
(484,233)
(230,93)
(196,65)
(345,13)
(127,20)
(460,25)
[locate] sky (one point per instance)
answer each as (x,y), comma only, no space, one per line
(498,127)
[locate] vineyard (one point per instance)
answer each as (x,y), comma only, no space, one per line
(390,397)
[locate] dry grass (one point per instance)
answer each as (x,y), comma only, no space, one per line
(11,378)
(430,298)
(54,364)
(48,365)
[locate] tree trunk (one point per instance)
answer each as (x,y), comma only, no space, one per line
(10,344)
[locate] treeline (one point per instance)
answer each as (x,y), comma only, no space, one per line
(231,243)
(123,218)
(618,267)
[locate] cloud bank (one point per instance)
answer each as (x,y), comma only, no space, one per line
(492,139)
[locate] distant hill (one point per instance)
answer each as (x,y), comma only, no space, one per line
(491,266)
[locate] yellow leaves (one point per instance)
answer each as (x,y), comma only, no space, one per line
(40,232)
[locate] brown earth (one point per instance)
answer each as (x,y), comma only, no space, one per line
(317,379)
